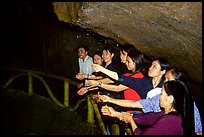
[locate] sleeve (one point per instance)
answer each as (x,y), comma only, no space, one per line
(165,125)
(89,67)
(150,105)
(138,84)
(147,119)
(197,119)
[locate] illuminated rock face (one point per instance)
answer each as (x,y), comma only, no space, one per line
(172,30)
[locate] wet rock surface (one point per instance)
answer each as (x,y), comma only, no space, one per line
(37,115)
(172,30)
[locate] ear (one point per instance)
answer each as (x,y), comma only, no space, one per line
(171,99)
(112,55)
(163,72)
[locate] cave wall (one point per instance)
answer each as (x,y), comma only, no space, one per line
(172,30)
(35,38)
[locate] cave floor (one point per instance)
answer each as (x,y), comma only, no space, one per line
(37,115)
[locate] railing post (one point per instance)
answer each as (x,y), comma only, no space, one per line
(90,115)
(66,93)
(30,84)
(98,116)
(128,131)
(115,129)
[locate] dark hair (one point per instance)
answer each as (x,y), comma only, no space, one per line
(182,103)
(147,62)
(180,74)
(127,48)
(138,57)
(165,64)
(86,48)
(109,48)
(98,53)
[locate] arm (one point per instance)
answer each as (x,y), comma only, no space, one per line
(128,118)
(94,77)
(84,90)
(110,73)
(81,76)
(141,85)
(151,104)
(159,124)
(115,88)
(197,120)
(105,80)
(124,116)
(121,102)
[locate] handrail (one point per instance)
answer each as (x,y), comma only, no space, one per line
(43,74)
(91,104)
(36,74)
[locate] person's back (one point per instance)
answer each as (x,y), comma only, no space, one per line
(159,124)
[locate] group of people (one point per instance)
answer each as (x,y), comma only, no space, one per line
(156,93)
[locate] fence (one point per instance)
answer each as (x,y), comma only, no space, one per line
(91,104)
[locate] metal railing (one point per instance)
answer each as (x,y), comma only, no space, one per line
(37,74)
(93,111)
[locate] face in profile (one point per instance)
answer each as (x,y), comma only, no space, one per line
(107,56)
(123,56)
(169,75)
(97,59)
(163,98)
(155,69)
(130,64)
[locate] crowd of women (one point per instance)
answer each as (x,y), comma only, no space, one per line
(155,94)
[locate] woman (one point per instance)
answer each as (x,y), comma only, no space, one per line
(135,63)
(97,59)
(141,85)
(170,121)
(152,105)
(107,56)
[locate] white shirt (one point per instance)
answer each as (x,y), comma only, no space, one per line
(153,92)
(85,66)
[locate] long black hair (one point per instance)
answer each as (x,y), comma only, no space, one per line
(182,103)
(164,64)
(182,76)
(140,61)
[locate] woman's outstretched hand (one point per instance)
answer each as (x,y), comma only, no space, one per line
(96,67)
(109,111)
(104,98)
(82,91)
(80,76)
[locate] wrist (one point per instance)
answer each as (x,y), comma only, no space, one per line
(99,84)
(117,114)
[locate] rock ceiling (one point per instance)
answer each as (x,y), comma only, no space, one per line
(172,30)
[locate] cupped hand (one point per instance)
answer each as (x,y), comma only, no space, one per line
(126,117)
(82,91)
(109,111)
(96,67)
(104,98)
(80,76)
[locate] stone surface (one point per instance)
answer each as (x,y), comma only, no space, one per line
(37,115)
(172,30)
